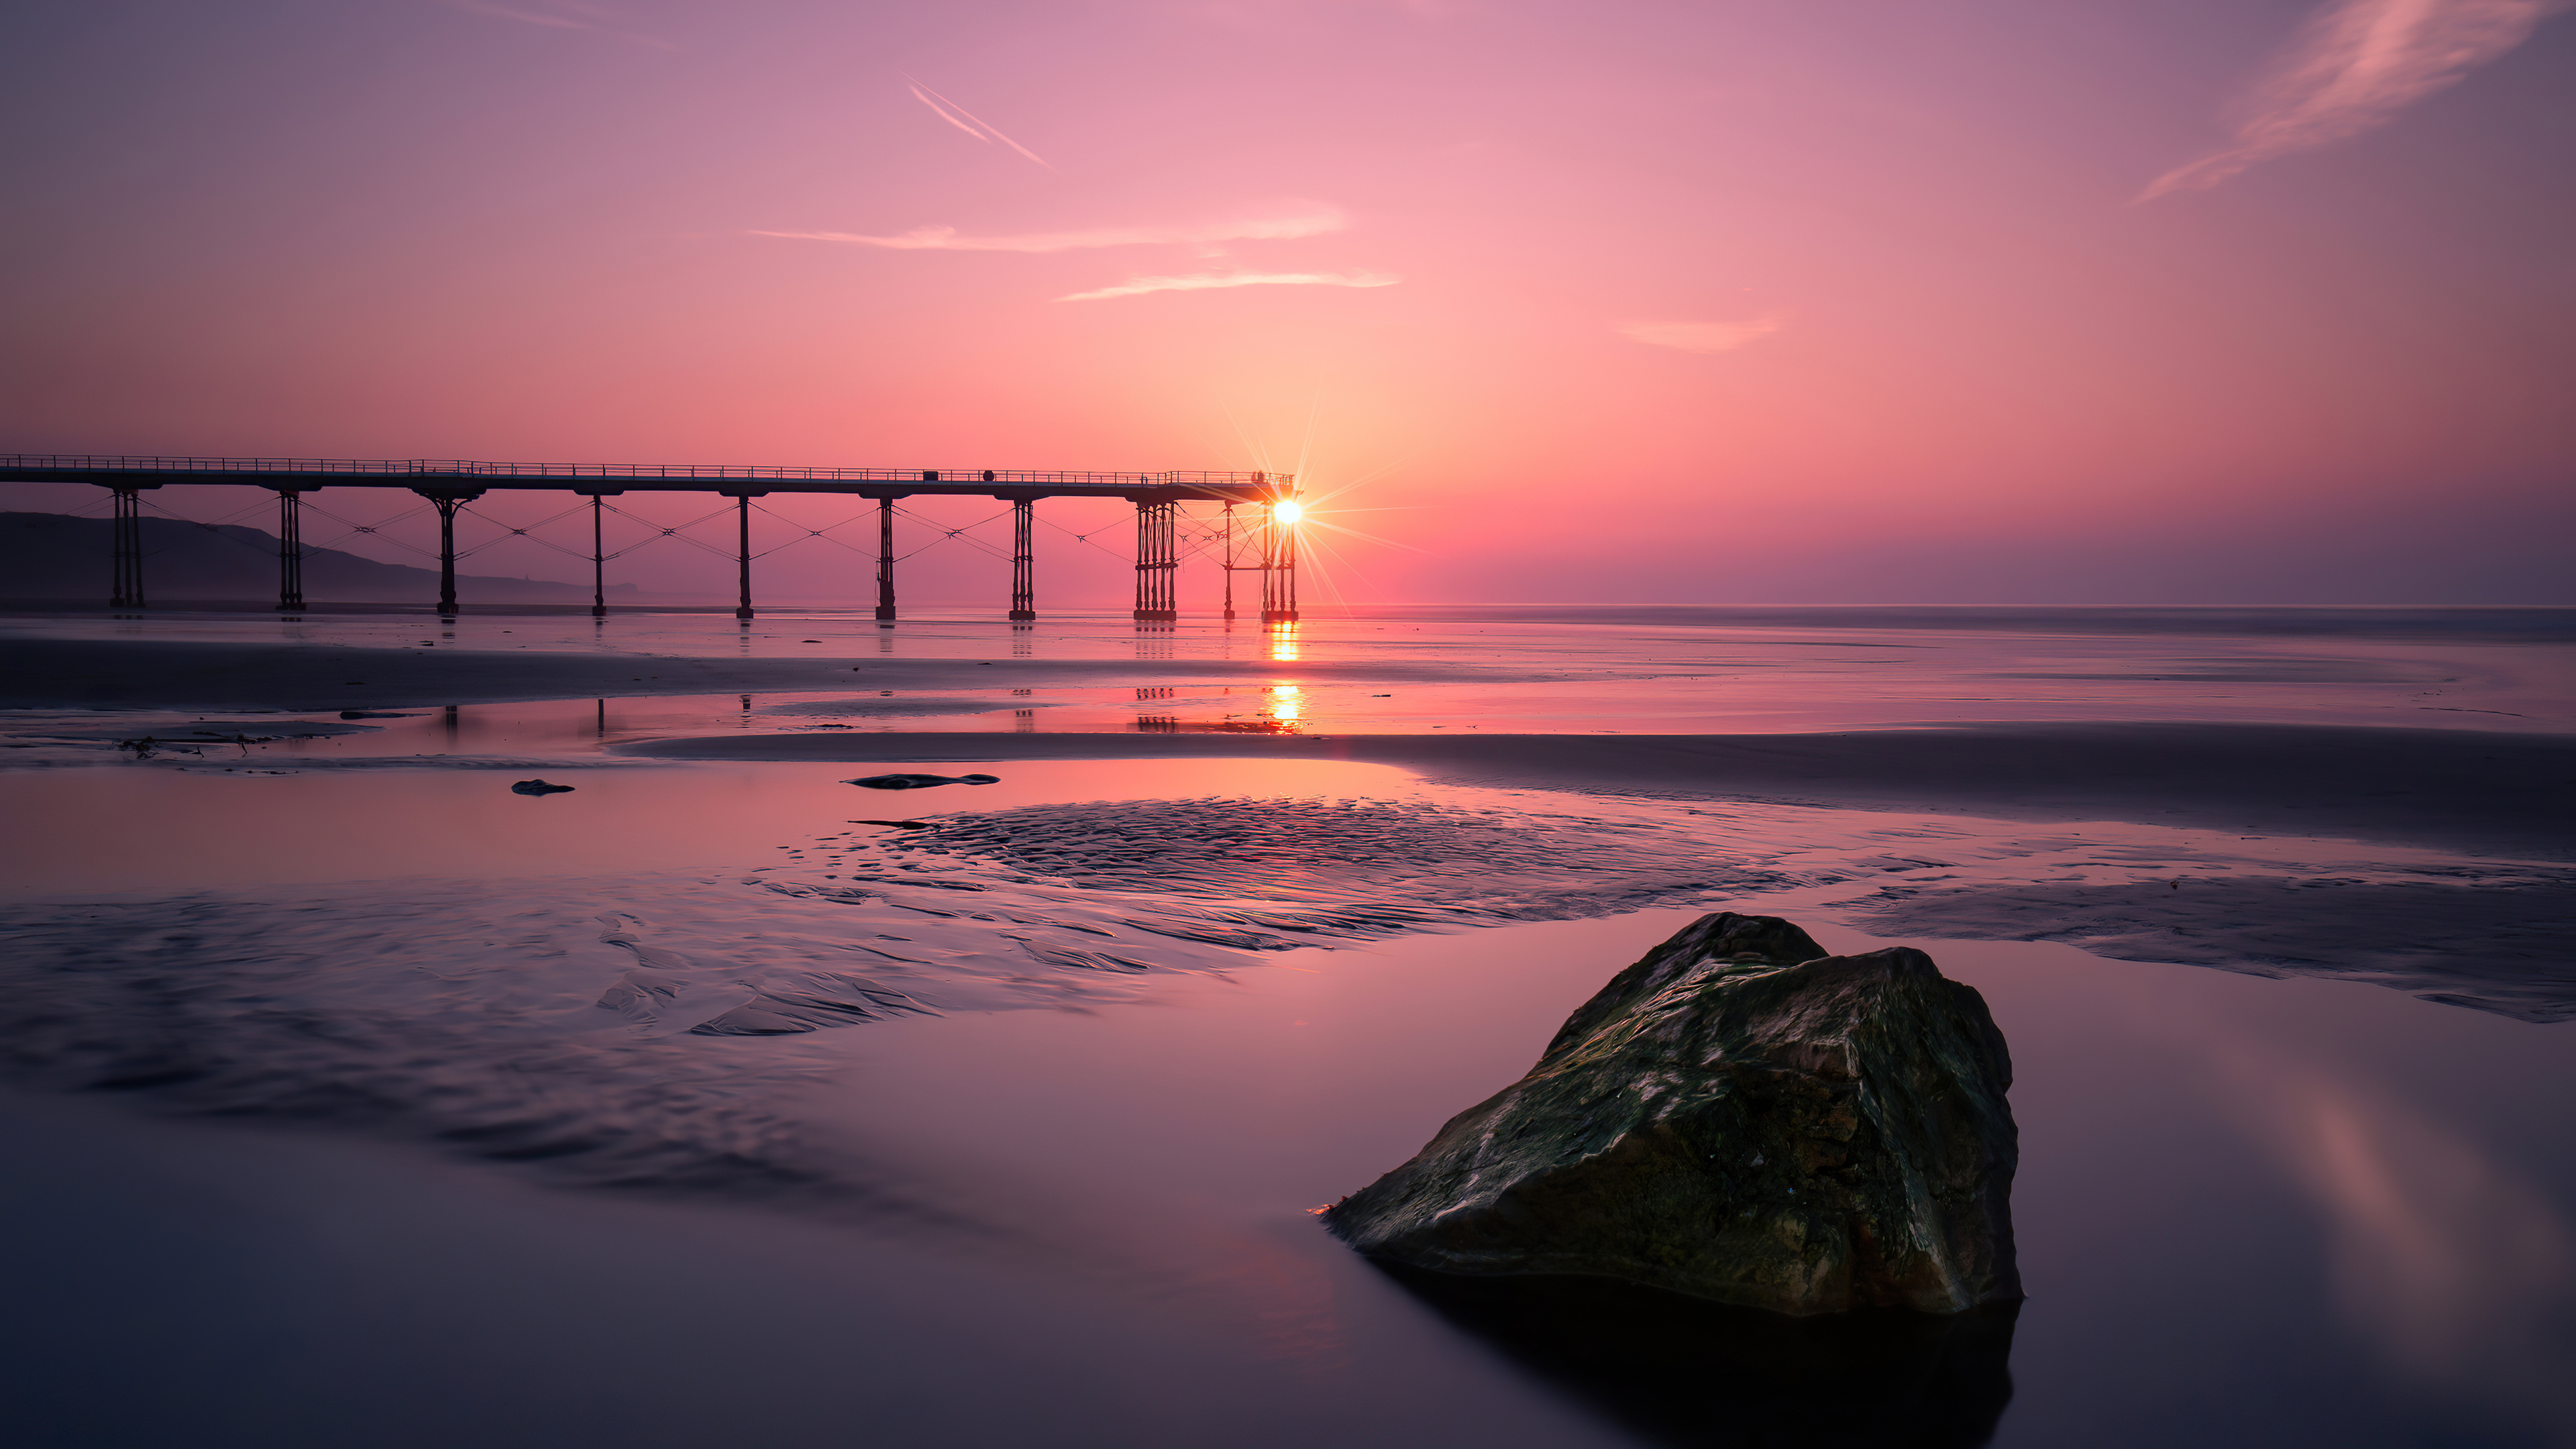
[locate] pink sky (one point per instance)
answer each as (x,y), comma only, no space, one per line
(1774,301)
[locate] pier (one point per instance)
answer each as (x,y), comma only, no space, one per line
(450,484)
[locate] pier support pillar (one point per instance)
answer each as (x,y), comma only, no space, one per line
(1225,557)
(290,550)
(1278,571)
(598,554)
(447,503)
(1157,561)
(885,560)
(742,517)
(126,590)
(1023,591)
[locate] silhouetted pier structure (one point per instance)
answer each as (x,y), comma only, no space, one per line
(449,485)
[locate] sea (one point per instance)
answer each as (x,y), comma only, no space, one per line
(354,1098)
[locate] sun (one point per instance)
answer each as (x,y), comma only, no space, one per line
(1286,510)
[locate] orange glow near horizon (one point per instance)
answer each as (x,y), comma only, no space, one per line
(1549,347)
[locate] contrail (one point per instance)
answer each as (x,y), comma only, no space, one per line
(2356,64)
(942,112)
(973,125)
(524,17)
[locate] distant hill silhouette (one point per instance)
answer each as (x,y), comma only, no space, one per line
(57,556)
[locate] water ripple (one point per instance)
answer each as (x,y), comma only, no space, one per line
(648,1030)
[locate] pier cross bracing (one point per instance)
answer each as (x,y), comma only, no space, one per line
(450,484)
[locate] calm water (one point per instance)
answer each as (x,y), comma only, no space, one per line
(1638,671)
(384,1106)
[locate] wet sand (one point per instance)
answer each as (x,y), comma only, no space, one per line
(1118,1017)
(1127,1262)
(2504,794)
(2484,789)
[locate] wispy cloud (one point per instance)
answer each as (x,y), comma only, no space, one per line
(1702,336)
(966,121)
(2354,65)
(948,239)
(1205,281)
(562,15)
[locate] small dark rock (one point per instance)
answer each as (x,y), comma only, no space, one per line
(920,782)
(537,787)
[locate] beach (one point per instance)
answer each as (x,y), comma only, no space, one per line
(1627,726)
(692,1064)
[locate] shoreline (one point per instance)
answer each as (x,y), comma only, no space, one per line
(304,678)
(2507,795)
(2496,623)
(2482,791)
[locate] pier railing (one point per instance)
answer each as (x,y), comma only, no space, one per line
(472,468)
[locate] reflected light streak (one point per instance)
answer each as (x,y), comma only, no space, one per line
(1284,703)
(2448,1258)
(2438,1248)
(1283,642)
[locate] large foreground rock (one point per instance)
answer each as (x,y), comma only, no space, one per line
(1741,1117)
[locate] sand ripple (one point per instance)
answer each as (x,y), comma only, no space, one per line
(644,1030)
(1307,865)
